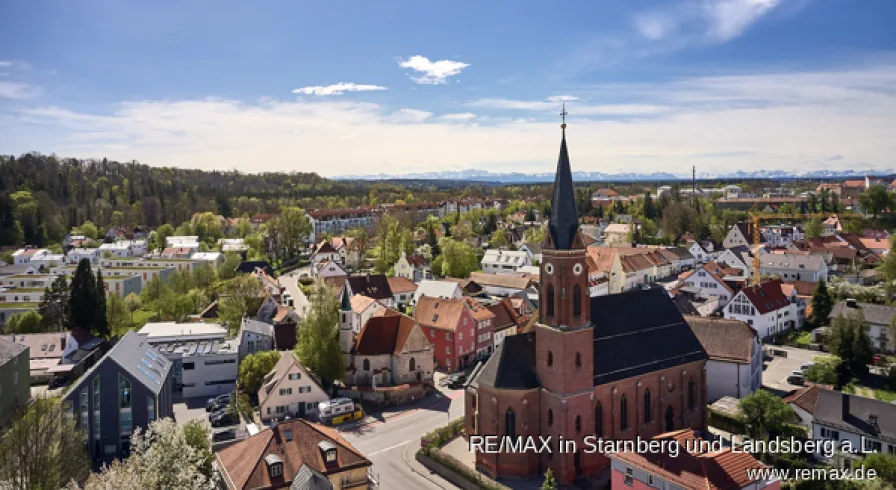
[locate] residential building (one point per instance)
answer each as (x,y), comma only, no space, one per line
(485,327)
(374,286)
(740,235)
(502,284)
(699,252)
(507,320)
(767,309)
(363,308)
(327,269)
(534,251)
(128,388)
(434,288)
(338,221)
(255,336)
(794,267)
(232,245)
(413,268)
(781,235)
(735,355)
(868,425)
(449,327)
(709,278)
(325,253)
(350,255)
(204,362)
(877,320)
(75,255)
(557,380)
(15,389)
(498,261)
(23,256)
(213,258)
(44,260)
(289,390)
(125,248)
(403,290)
(294,454)
(391,350)
(738,257)
(617,235)
(691,465)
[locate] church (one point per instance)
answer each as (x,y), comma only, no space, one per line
(616,367)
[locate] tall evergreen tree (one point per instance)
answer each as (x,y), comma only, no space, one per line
(101,322)
(54,307)
(82,297)
(649,209)
(822,304)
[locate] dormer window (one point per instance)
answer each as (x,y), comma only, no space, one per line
(275,465)
(328,451)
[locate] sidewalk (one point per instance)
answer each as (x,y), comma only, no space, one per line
(390,412)
(409,454)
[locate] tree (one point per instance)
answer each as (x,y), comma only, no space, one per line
(875,200)
(133,303)
(287,232)
(822,304)
(82,297)
(884,464)
(678,218)
(162,457)
(253,369)
(534,235)
(359,242)
(317,346)
(849,340)
(118,317)
(498,239)
(24,322)
(530,215)
(242,295)
(162,233)
(54,307)
(458,259)
(43,449)
(888,267)
(227,269)
(549,483)
(648,209)
(89,230)
(814,228)
(196,435)
(100,321)
(825,370)
(243,227)
(764,413)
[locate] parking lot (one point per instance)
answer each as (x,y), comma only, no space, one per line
(780,367)
(188,409)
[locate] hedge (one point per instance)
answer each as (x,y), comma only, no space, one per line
(442,435)
(465,471)
(726,422)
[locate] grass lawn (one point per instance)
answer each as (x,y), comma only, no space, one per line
(885,395)
(142,317)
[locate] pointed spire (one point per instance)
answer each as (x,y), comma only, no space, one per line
(564,221)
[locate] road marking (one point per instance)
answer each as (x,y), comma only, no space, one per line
(389,448)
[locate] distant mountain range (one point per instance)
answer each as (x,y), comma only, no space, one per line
(516,177)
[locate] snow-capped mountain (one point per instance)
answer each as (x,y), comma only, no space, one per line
(512,177)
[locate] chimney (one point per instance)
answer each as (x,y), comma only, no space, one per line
(851,303)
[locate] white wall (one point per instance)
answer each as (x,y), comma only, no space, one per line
(206,374)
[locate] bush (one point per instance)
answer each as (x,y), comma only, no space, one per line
(465,471)
(442,435)
(726,422)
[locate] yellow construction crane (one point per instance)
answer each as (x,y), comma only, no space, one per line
(757,219)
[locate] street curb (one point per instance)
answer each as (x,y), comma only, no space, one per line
(404,456)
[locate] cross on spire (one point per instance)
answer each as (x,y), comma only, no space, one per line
(563,115)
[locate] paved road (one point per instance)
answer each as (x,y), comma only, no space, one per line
(388,443)
(779,368)
(289,281)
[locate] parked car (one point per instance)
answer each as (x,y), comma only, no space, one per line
(806,366)
(57,382)
(335,407)
(223,435)
(458,381)
(222,419)
(225,398)
(216,406)
(796,378)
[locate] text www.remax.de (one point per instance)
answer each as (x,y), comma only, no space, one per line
(811,474)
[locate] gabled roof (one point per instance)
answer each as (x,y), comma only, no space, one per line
(512,365)
(872,313)
(766,296)
(401,285)
(310,479)
(437,288)
(384,333)
(439,313)
(374,285)
(803,288)
(11,350)
(501,280)
(416,260)
(643,321)
(296,443)
(324,247)
(285,364)
(723,339)
(138,358)
(360,303)
(478,311)
(806,398)
(860,415)
(40,345)
(792,262)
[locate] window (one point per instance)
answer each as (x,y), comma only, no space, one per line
(576,301)
(623,414)
(648,407)
(84,411)
(692,394)
(412,364)
(598,420)
(629,477)
(285,391)
(578,424)
(188,366)
(276,470)
(220,361)
(460,335)
(366,365)
(549,301)
(295,376)
(150,409)
(550,417)
(510,423)
(124,392)
(872,446)
(550,358)
(96,406)
(447,350)
(15,377)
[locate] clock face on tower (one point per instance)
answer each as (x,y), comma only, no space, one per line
(549,268)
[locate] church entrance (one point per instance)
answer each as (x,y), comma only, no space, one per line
(670,419)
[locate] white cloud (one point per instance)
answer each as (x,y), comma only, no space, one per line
(336,89)
(461,116)
(575,110)
(714,21)
(562,98)
(787,121)
(432,72)
(728,19)
(5,64)
(13,90)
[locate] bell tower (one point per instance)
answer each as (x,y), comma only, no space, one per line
(564,337)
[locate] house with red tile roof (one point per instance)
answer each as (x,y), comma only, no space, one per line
(293,450)
(699,469)
(485,326)
(767,309)
(391,350)
(709,278)
(449,326)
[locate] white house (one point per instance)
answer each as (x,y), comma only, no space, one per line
(741,234)
(781,235)
(125,248)
(289,390)
(363,308)
(214,258)
(46,260)
(75,256)
(709,280)
(699,253)
(616,234)
(766,308)
(437,289)
(255,336)
(325,253)
(866,424)
(737,257)
(328,268)
(735,354)
(794,267)
(23,256)
(534,251)
(232,245)
(412,268)
(497,261)
(877,321)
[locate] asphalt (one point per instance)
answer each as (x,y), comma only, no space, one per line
(290,282)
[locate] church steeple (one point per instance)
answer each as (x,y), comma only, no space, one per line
(563,224)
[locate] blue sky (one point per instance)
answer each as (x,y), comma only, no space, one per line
(367,87)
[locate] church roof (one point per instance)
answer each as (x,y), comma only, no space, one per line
(564,222)
(512,366)
(638,332)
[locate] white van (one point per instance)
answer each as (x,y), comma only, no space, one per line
(334,407)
